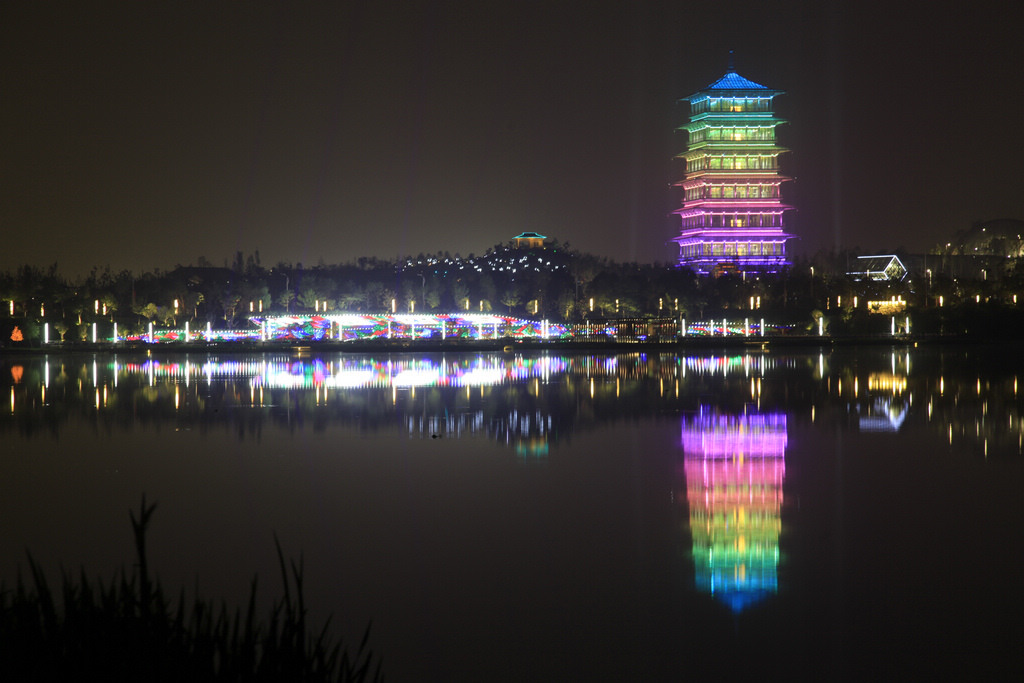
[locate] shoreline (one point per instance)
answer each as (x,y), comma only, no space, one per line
(300,348)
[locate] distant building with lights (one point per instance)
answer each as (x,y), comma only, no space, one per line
(1002,237)
(732,213)
(989,250)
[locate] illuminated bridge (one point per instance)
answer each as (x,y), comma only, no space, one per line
(353,326)
(469,326)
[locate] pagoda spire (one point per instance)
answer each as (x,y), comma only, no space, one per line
(732,63)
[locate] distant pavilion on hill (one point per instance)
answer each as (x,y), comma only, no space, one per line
(529,240)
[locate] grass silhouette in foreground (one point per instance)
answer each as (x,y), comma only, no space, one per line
(128,629)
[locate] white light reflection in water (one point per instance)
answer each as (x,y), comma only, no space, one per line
(888,402)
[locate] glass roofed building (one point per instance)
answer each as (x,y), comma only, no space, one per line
(732,215)
(883,267)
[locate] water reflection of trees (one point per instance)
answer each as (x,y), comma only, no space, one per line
(509,398)
(527,401)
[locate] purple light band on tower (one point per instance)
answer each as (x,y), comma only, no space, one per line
(711,435)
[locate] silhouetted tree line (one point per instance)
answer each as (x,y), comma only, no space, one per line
(554,282)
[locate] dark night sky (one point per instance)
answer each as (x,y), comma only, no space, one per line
(141,135)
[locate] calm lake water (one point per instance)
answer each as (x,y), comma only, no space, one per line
(826,515)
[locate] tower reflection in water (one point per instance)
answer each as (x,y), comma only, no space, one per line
(734,467)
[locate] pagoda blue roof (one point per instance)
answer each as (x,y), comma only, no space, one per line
(732,82)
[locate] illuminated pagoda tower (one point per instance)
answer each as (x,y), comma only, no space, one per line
(734,467)
(732,213)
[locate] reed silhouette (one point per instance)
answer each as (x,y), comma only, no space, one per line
(129,629)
